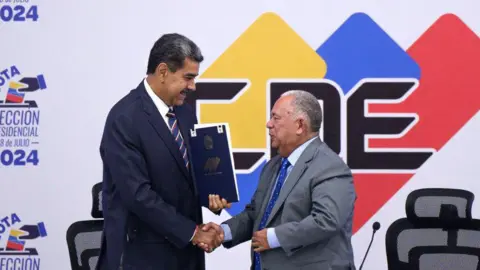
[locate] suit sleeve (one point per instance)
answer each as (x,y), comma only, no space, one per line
(332,205)
(241,225)
(123,156)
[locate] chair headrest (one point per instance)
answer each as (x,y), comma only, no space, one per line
(448,207)
(97,210)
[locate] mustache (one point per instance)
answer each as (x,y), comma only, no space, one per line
(185,91)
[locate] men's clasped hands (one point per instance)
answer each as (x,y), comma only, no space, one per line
(209,236)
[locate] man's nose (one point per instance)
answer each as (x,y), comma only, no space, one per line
(269,124)
(191,86)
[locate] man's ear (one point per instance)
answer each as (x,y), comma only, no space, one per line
(162,71)
(301,126)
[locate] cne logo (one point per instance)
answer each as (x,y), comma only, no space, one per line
(386,110)
(211,165)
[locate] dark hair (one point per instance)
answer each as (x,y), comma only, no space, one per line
(173,49)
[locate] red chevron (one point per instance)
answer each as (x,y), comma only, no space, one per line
(447,97)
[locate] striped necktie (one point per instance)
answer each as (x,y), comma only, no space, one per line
(173,123)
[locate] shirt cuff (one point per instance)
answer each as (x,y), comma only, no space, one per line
(272,238)
(194,232)
(227,233)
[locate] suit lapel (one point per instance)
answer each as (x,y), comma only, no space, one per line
(294,176)
(155,119)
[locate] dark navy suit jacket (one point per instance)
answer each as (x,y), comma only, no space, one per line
(150,202)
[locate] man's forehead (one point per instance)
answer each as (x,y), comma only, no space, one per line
(283,104)
(190,64)
(281,109)
(190,70)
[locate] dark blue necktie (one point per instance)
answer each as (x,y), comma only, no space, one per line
(281,178)
(173,123)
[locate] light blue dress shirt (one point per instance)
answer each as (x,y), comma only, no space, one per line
(271,236)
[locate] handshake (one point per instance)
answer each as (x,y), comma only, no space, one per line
(208,237)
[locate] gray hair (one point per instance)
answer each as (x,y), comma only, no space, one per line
(173,49)
(305,104)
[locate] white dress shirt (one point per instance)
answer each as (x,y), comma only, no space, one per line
(159,103)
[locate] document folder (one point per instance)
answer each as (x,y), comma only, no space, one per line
(212,162)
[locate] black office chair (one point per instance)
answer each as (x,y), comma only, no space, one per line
(438,232)
(84,237)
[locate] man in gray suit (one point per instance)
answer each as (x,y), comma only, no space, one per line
(300,216)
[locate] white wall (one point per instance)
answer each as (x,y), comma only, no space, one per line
(92,53)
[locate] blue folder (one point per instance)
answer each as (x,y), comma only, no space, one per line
(212,162)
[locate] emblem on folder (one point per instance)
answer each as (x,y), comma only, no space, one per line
(211,165)
(208,142)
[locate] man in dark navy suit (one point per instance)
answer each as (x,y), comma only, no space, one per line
(150,202)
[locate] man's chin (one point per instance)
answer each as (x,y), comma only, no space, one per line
(179,102)
(273,144)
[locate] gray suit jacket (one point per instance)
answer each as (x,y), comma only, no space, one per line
(312,216)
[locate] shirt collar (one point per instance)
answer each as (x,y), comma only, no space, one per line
(295,155)
(161,106)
